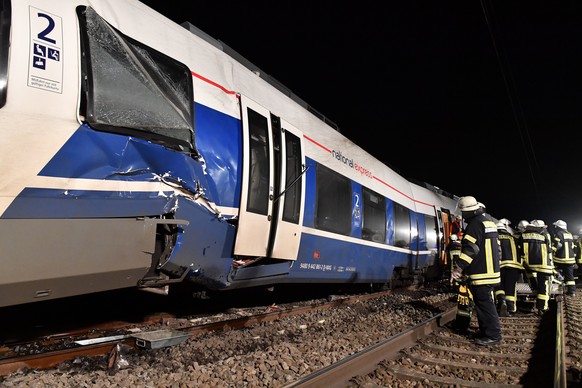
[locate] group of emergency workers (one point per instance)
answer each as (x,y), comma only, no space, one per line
(487,260)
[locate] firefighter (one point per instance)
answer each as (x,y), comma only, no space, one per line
(537,256)
(511,268)
(530,276)
(479,261)
(564,255)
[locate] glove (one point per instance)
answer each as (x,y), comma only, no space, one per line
(457,273)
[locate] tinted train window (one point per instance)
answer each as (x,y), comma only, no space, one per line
(401,226)
(132,89)
(374,226)
(431,232)
(5,12)
(333,206)
(293,181)
(258,199)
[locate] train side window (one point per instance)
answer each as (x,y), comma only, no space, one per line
(132,89)
(5,12)
(258,197)
(431,232)
(374,225)
(401,226)
(333,206)
(292,184)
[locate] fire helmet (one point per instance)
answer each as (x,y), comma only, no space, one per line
(505,221)
(468,204)
(538,223)
(522,225)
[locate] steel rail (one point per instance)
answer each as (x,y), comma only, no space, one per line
(361,363)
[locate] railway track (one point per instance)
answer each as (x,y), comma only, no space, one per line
(51,349)
(534,349)
(532,354)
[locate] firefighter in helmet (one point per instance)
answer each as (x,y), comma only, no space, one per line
(479,261)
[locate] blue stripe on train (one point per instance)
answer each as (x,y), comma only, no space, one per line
(330,259)
(52,203)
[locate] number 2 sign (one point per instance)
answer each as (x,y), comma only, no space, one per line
(45,70)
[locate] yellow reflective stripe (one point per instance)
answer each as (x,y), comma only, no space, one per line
(533,236)
(488,281)
(510,264)
(543,297)
(465,257)
(470,238)
(513,250)
(564,261)
(485,275)
(541,268)
(488,256)
(544,254)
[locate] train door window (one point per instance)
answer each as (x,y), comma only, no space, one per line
(258,196)
(401,226)
(132,89)
(333,207)
(374,225)
(431,232)
(292,183)
(5,12)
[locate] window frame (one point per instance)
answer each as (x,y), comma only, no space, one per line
(402,225)
(372,213)
(333,201)
(183,141)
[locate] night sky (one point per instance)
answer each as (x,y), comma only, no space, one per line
(479,98)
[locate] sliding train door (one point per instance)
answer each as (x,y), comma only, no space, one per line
(256,205)
(290,193)
(273,186)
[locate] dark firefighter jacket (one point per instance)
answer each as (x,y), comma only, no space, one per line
(509,254)
(565,253)
(480,252)
(537,251)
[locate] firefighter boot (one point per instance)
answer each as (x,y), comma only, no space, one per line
(503,311)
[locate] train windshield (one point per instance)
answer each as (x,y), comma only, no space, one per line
(4,45)
(133,89)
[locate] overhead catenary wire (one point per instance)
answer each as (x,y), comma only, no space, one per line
(516,109)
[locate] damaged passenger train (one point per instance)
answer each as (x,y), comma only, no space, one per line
(136,152)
